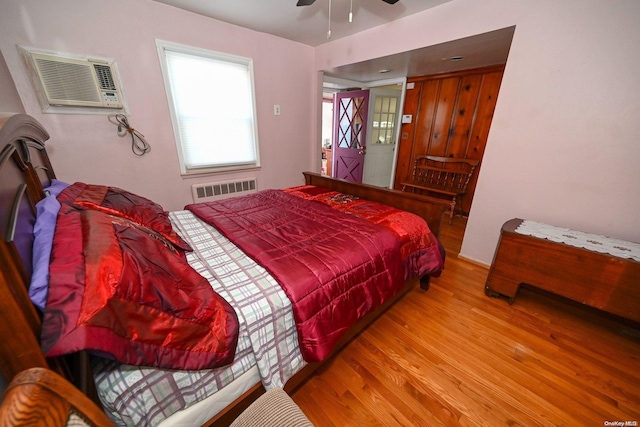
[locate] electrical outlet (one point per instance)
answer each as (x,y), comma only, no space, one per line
(276,110)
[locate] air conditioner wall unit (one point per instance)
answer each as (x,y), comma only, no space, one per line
(74,82)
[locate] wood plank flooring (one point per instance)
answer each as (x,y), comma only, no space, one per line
(452,356)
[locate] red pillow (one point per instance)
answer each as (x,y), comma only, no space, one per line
(118,289)
(123,203)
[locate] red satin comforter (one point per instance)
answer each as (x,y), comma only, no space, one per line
(334,267)
(123,290)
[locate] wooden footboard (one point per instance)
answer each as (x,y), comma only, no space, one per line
(431,209)
(595,279)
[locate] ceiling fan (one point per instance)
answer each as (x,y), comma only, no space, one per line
(310,2)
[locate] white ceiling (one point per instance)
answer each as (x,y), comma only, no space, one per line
(305,24)
(309,25)
(481,50)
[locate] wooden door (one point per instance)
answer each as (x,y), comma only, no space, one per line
(451,115)
(349,134)
(384,109)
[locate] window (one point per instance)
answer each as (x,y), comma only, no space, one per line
(212,105)
(384,118)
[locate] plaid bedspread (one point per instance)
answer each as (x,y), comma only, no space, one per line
(134,395)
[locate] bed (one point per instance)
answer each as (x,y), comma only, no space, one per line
(230,326)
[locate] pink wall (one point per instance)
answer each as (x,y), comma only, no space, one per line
(86,147)
(563,146)
(10,100)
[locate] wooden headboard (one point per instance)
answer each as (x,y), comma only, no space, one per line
(22,139)
(25,170)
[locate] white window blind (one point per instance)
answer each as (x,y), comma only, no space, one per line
(213,108)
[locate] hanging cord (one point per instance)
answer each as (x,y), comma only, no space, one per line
(329,31)
(139,145)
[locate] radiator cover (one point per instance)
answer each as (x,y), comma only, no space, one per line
(211,191)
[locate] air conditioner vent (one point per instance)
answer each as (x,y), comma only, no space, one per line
(67,81)
(73,81)
(223,190)
(105,78)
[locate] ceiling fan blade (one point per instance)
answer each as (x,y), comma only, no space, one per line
(390,1)
(307,2)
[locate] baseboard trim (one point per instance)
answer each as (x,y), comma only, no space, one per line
(474,261)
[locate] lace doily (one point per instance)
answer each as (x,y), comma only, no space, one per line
(592,242)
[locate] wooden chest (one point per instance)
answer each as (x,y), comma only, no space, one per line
(599,280)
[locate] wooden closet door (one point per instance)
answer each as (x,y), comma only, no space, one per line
(451,117)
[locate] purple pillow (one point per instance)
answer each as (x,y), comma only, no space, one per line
(55,188)
(47,212)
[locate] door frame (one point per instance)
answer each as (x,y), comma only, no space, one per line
(332,84)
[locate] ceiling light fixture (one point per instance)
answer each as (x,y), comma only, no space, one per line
(329,31)
(351,12)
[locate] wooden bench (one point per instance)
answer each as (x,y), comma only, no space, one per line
(444,177)
(597,279)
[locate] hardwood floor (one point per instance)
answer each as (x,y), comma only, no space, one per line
(453,356)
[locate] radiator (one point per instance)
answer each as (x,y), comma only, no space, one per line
(223,190)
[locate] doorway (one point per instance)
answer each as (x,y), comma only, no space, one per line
(372,138)
(451,115)
(476,51)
